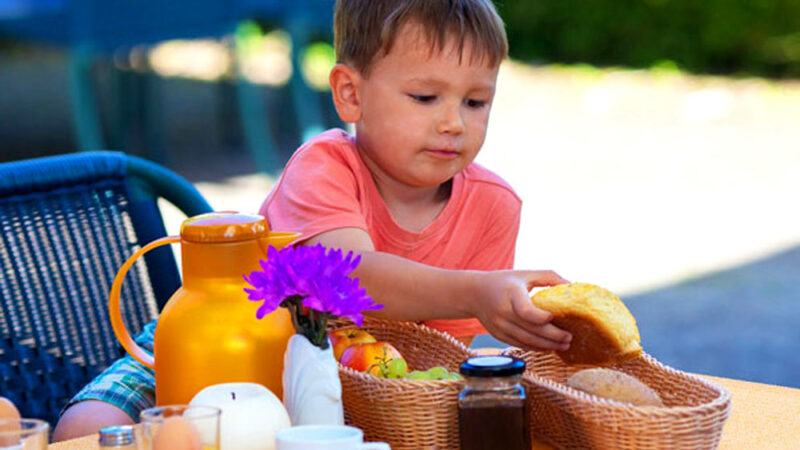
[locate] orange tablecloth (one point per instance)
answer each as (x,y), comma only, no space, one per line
(762,416)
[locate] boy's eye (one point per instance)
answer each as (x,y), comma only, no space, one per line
(423,98)
(474,103)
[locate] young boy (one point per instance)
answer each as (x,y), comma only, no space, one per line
(436,232)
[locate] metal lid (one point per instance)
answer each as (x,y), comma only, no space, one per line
(224,226)
(116,436)
(492,366)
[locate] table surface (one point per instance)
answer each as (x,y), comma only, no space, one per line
(762,416)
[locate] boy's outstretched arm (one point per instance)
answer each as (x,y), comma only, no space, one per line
(413,291)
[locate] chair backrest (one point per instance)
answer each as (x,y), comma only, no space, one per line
(67,223)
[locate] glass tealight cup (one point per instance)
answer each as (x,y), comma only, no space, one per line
(23,434)
(164,427)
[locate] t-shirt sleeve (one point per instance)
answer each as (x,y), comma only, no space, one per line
(319,191)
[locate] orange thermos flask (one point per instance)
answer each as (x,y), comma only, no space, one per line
(207,333)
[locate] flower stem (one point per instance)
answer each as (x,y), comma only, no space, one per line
(322,330)
(313,326)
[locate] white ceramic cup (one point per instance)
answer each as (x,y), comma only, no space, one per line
(328,437)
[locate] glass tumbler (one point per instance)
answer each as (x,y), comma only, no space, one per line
(24,434)
(171,426)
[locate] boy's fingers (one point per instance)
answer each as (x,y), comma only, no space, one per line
(538,278)
(525,310)
(537,319)
(510,337)
(523,338)
(554,334)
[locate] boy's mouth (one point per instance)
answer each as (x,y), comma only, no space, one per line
(442,153)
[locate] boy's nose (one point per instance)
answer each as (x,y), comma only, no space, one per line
(451,121)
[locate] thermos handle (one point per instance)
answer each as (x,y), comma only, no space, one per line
(117,324)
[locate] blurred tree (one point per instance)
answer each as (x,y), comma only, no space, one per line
(749,37)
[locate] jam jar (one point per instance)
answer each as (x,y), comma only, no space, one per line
(492,413)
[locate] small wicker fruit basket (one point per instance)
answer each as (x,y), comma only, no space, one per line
(693,416)
(408,414)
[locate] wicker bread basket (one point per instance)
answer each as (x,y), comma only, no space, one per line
(694,413)
(408,414)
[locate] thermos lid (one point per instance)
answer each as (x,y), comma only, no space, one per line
(224,226)
(492,366)
(116,436)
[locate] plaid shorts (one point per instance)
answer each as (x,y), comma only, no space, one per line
(126,384)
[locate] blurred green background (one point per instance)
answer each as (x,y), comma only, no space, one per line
(157,100)
(732,37)
(191,84)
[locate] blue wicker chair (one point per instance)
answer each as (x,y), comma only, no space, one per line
(66,224)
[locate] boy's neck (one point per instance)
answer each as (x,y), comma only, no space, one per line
(413,208)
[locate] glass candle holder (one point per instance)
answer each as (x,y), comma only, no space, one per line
(24,434)
(169,426)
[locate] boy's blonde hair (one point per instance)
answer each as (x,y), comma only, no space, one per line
(364,28)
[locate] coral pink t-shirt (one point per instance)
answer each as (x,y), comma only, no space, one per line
(326,186)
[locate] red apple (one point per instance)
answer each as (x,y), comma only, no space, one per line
(369,357)
(345,337)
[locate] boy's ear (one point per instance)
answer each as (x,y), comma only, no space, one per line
(345,83)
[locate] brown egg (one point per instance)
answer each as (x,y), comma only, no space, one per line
(8,411)
(176,433)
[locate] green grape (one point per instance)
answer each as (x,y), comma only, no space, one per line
(455,376)
(419,375)
(383,369)
(397,368)
(438,373)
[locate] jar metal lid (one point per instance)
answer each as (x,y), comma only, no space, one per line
(116,436)
(492,366)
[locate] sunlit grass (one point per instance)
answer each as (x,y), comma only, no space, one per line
(263,58)
(260,58)
(199,59)
(318,59)
(266,59)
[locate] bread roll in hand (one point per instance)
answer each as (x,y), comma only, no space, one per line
(614,385)
(603,330)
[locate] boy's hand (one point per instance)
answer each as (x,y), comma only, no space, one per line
(504,307)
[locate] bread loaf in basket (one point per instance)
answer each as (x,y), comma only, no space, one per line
(693,416)
(408,414)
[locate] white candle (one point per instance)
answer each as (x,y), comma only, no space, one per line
(251,414)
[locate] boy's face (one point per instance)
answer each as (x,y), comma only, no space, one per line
(423,113)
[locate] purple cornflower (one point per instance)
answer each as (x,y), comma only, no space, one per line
(315,278)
